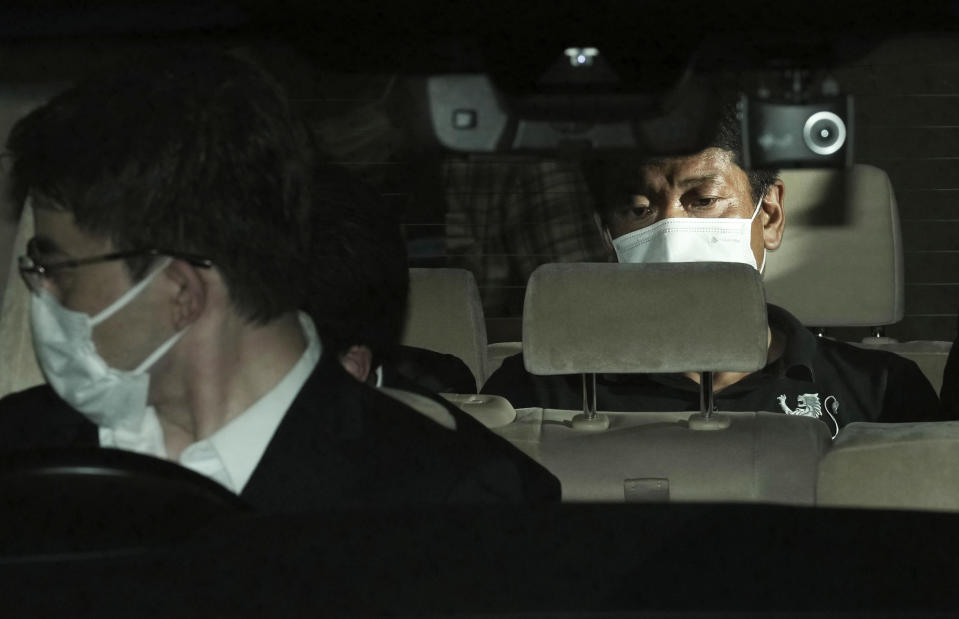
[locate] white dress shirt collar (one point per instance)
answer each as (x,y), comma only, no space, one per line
(231,454)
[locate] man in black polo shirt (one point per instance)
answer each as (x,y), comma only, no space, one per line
(706,208)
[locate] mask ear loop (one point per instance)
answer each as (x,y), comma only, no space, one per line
(127,296)
(159,352)
(604,232)
(759,203)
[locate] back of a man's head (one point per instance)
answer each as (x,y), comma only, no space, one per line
(358,250)
(187,150)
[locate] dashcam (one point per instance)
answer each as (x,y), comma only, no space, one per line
(785,134)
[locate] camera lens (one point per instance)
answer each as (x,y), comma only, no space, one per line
(824,133)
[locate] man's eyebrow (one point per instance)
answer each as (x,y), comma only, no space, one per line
(47,246)
(642,189)
(696,180)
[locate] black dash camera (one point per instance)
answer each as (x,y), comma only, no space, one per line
(779,134)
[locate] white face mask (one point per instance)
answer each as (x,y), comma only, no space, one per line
(63,340)
(690,239)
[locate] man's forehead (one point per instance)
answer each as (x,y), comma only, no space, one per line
(710,165)
(56,231)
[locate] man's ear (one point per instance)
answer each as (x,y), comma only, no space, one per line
(190,295)
(604,234)
(773,215)
(358,361)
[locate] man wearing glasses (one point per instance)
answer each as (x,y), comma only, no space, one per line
(172,205)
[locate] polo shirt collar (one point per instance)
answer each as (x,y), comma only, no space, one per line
(801,345)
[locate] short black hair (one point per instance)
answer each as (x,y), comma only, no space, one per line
(185,149)
(612,179)
(360,273)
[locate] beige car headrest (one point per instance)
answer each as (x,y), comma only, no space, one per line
(840,263)
(446,315)
(18,363)
(644,318)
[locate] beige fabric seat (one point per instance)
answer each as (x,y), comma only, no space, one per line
(840,263)
(18,365)
(492,411)
(656,457)
(619,318)
(446,315)
(904,466)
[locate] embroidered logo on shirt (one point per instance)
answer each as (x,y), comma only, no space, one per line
(808,405)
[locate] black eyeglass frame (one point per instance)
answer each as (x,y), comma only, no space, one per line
(31,267)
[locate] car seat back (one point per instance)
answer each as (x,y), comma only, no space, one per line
(658,457)
(18,364)
(646,318)
(840,262)
(892,466)
(446,315)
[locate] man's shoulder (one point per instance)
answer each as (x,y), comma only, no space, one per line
(511,366)
(38,399)
(408,423)
(818,350)
(523,389)
(491,467)
(436,371)
(865,357)
(37,417)
(895,384)
(511,381)
(387,448)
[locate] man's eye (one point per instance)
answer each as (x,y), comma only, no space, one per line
(704,202)
(635,212)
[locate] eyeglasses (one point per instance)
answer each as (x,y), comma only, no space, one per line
(35,272)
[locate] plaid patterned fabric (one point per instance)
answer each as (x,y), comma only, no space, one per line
(505,217)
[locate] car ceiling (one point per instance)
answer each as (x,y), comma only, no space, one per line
(512,38)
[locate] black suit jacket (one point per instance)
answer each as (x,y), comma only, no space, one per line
(341,443)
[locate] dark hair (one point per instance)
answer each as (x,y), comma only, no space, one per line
(612,180)
(360,276)
(189,150)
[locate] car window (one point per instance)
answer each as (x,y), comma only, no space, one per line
(500,215)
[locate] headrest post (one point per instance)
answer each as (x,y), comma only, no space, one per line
(706,396)
(586,412)
(705,420)
(593,380)
(590,420)
(589,396)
